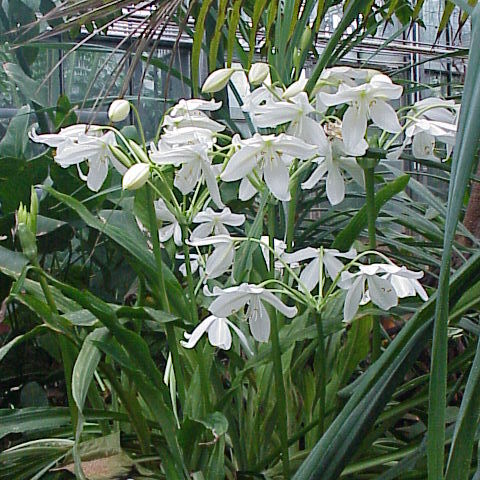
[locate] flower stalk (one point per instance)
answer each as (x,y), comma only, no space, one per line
(369,172)
(277,357)
(163,298)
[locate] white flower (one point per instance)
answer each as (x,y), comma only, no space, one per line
(330,80)
(119,110)
(65,135)
(215,222)
(294,110)
(221,259)
(233,299)
(219,335)
(260,96)
(196,119)
(310,275)
(217,80)
(258,73)
(92,149)
(195,166)
(136,176)
(172,229)
(270,156)
(380,287)
(332,163)
(365,101)
(179,137)
(279,246)
(429,120)
(185,107)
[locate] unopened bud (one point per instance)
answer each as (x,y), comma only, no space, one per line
(258,73)
(139,152)
(217,80)
(136,176)
(120,155)
(32,217)
(119,110)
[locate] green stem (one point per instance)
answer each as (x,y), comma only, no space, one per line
(322,372)
(191,292)
(68,359)
(277,357)
(188,268)
(163,298)
(292,206)
(372,243)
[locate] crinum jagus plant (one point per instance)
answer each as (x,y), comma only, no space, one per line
(251,328)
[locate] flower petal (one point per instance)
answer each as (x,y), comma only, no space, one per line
(219,334)
(335,185)
(277,177)
(384,116)
(382,292)
(194,337)
(353,298)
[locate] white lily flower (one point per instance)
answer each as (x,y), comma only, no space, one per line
(295,111)
(233,299)
(310,275)
(279,246)
(219,335)
(221,259)
(195,166)
(260,96)
(330,80)
(172,229)
(429,121)
(380,288)
(92,149)
(196,119)
(65,135)
(365,101)
(332,163)
(185,107)
(179,137)
(211,221)
(270,156)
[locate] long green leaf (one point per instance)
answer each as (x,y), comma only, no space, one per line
(463,158)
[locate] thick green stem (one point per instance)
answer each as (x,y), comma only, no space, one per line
(277,358)
(372,243)
(322,372)
(162,298)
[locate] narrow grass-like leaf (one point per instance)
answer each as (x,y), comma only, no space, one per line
(463,158)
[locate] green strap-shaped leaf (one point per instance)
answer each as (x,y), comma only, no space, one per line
(82,376)
(350,233)
(233,20)
(217,34)
(464,156)
(197,44)
(458,467)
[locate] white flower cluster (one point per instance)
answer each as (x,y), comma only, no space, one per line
(293,132)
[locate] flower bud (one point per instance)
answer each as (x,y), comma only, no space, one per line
(139,152)
(120,155)
(136,176)
(295,88)
(217,80)
(258,73)
(32,219)
(119,110)
(305,41)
